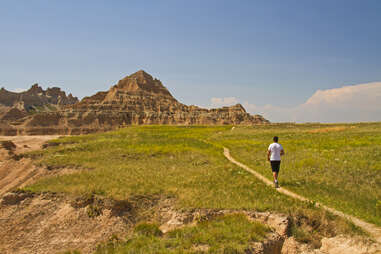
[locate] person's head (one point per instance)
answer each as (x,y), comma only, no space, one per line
(275,139)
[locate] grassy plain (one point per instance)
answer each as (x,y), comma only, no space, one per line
(338,165)
(175,161)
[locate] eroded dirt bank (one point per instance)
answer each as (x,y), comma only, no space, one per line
(15,170)
(53,223)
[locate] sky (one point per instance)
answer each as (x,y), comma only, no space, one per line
(281,59)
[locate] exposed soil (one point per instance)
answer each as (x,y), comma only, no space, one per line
(15,170)
(52,223)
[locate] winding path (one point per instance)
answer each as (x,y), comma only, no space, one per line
(372,229)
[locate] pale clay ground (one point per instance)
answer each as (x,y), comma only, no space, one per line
(13,173)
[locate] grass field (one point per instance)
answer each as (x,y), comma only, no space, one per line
(338,165)
(157,160)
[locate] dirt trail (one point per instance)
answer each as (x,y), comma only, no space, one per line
(372,229)
(17,173)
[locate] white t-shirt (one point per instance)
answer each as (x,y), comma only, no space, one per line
(275,149)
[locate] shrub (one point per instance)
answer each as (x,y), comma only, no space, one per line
(148,229)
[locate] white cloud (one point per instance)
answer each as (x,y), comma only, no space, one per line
(220,102)
(356,103)
(18,90)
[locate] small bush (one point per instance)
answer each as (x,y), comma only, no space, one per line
(148,229)
(231,250)
(72,252)
(94,211)
(108,247)
(378,207)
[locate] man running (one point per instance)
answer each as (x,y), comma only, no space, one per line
(274,153)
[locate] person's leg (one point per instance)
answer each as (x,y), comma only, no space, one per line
(275,176)
(275,169)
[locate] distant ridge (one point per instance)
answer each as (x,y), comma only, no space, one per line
(136,99)
(35,97)
(15,106)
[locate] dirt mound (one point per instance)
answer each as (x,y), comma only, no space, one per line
(15,170)
(136,99)
(8,145)
(51,223)
(335,245)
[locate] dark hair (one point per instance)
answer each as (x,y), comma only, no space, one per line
(275,139)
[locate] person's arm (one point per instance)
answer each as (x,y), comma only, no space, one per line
(282,150)
(268,155)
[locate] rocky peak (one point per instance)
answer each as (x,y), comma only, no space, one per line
(138,83)
(136,99)
(142,81)
(141,76)
(238,107)
(35,89)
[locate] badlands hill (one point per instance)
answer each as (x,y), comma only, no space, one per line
(135,100)
(15,106)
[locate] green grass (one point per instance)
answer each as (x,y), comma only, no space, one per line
(337,165)
(340,168)
(166,160)
(227,234)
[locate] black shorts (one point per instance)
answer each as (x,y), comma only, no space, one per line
(275,165)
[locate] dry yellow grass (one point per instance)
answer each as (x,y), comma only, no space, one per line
(329,129)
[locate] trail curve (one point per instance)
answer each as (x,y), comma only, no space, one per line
(373,230)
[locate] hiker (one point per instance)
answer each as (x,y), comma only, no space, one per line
(274,153)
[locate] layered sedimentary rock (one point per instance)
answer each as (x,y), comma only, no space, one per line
(136,99)
(36,98)
(14,106)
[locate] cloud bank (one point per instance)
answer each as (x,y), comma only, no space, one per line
(18,90)
(356,103)
(220,102)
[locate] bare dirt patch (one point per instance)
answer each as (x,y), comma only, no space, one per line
(329,129)
(8,145)
(15,170)
(54,223)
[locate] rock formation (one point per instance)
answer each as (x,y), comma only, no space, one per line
(136,99)
(35,97)
(14,106)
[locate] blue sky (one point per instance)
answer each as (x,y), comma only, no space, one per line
(257,52)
